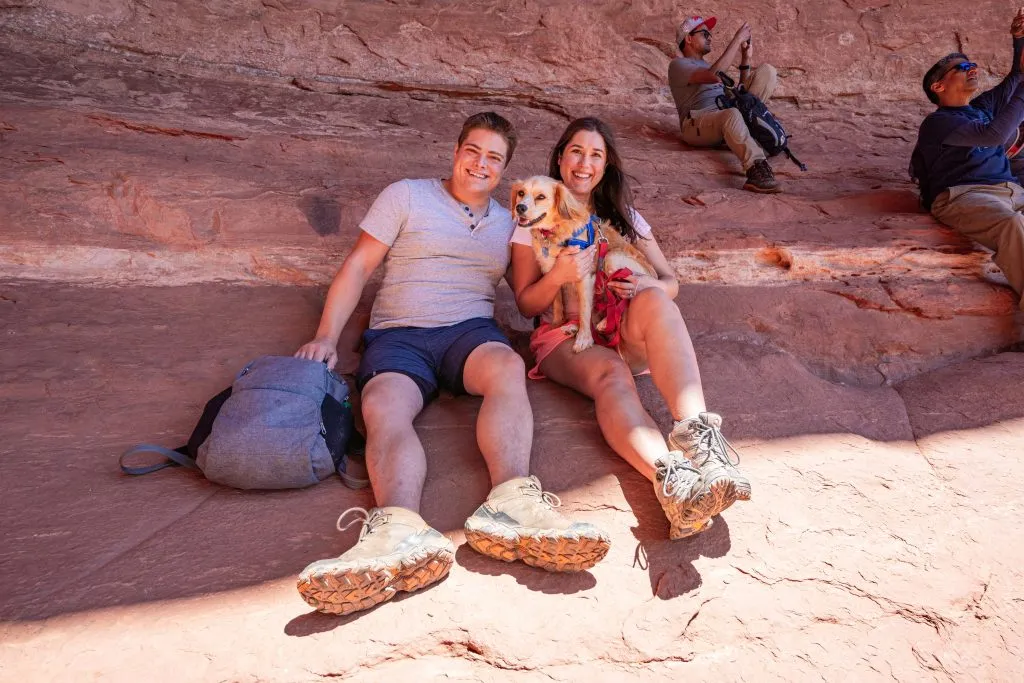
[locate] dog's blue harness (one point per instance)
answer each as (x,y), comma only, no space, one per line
(577,241)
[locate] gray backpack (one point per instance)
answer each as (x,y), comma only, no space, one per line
(283,424)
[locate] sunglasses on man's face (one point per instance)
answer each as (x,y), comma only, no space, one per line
(963,66)
(960,66)
(703,32)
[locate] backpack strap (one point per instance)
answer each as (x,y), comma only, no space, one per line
(205,424)
(792,157)
(175,458)
(182,456)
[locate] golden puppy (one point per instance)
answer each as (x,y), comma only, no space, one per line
(554,218)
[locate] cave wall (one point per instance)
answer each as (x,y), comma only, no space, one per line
(599,50)
(172,143)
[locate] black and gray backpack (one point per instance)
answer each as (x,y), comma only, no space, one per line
(763,126)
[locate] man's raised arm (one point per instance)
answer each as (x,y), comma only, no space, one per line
(710,75)
(1017,31)
(995,99)
(992,134)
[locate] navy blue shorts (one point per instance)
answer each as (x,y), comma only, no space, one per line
(433,357)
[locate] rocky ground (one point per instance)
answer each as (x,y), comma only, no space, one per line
(165,221)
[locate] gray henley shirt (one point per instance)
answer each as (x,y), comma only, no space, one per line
(439,270)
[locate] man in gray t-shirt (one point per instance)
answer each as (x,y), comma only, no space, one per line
(444,245)
(695,85)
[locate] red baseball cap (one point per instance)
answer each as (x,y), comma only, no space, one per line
(691,24)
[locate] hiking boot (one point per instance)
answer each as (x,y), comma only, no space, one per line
(518,521)
(396,551)
(701,439)
(760,178)
(680,489)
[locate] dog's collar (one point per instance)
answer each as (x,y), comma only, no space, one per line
(576,241)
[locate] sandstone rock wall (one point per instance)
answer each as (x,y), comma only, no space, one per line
(605,50)
(169,143)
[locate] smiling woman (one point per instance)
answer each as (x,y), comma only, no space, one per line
(695,480)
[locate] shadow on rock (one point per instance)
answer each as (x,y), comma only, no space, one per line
(670,564)
(314,622)
(322,213)
(540,580)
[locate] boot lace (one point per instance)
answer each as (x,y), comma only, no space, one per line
(712,444)
(675,475)
(761,172)
(369,520)
(549,499)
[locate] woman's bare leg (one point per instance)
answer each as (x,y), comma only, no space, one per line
(602,375)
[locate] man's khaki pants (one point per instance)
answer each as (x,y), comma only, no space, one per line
(726,125)
(991,216)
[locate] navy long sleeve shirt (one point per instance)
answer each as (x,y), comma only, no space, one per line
(964,145)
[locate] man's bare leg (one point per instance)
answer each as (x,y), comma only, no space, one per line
(518,521)
(397,550)
(394,454)
(504,426)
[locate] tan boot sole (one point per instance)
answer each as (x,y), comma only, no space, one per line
(675,533)
(724,492)
(353,588)
(750,187)
(554,553)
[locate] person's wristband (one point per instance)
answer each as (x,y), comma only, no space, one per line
(744,67)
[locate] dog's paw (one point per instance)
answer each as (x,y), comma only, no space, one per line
(570,329)
(602,326)
(582,343)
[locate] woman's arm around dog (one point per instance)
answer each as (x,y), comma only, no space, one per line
(535,291)
(666,279)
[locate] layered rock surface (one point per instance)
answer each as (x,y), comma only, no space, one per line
(543,51)
(178,181)
(878,543)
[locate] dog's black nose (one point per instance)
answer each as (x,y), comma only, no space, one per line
(521,208)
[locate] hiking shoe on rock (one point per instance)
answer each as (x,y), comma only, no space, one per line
(701,439)
(396,551)
(685,499)
(761,178)
(518,521)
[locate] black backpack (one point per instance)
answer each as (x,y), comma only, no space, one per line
(763,126)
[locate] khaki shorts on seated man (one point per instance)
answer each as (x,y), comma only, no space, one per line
(445,246)
(695,85)
(959,160)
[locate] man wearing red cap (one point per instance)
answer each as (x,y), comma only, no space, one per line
(695,85)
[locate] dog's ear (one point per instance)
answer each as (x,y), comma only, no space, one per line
(569,208)
(513,198)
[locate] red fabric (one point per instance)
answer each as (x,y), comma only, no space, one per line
(608,305)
